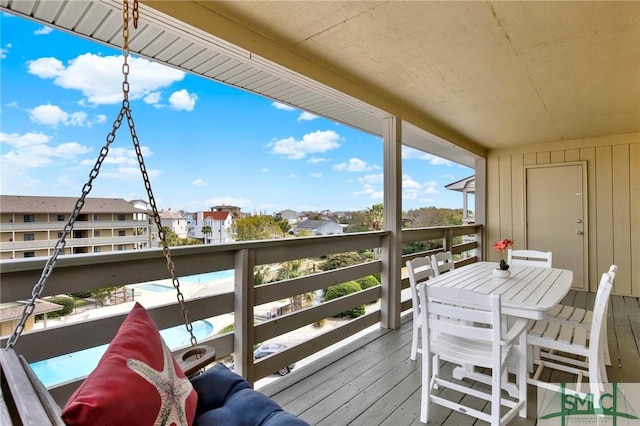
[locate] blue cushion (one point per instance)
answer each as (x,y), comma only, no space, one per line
(225,398)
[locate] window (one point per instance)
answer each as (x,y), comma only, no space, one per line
(96,233)
(60,234)
(121,217)
(96,217)
(120,247)
(29,218)
(60,218)
(122,233)
(96,249)
(29,237)
(29,254)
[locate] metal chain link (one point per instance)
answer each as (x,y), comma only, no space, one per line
(60,245)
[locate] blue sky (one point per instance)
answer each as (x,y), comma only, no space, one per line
(204,143)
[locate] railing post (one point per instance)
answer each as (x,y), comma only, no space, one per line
(243,336)
(447,240)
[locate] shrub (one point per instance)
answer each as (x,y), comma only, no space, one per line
(368,282)
(67,303)
(336,291)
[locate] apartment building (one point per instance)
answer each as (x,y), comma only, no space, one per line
(175,221)
(31,226)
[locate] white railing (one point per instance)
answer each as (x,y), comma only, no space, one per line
(78,273)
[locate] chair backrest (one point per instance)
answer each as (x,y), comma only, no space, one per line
(530,258)
(419,269)
(442,262)
(613,270)
(461,314)
(596,335)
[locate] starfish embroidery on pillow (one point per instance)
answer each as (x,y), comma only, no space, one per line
(173,390)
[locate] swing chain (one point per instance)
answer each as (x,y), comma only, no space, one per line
(61,243)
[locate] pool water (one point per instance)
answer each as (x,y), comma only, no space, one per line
(189,279)
(79,364)
(208,277)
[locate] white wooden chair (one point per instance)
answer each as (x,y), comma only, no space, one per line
(420,270)
(529,258)
(465,327)
(442,262)
(570,347)
(583,318)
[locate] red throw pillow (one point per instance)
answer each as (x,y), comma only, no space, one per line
(136,382)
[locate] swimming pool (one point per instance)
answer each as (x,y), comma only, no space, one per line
(189,279)
(75,365)
(208,277)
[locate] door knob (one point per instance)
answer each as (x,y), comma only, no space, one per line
(578,232)
(578,220)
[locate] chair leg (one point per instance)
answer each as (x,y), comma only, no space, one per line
(414,343)
(521,375)
(426,389)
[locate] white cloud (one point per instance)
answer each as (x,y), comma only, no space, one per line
(119,156)
(355,165)
(32,150)
(4,51)
(265,170)
(53,115)
(414,154)
(152,98)
(99,78)
(44,30)
(316,175)
(199,182)
(370,190)
(318,141)
(293,175)
(283,107)
(409,183)
(307,116)
(379,178)
(316,160)
(183,100)
(449,177)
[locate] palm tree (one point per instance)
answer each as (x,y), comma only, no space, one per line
(206,230)
(374,217)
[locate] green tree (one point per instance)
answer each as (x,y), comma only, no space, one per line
(255,228)
(284,225)
(374,217)
(170,237)
(340,260)
(206,230)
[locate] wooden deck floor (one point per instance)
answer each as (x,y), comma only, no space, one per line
(373,381)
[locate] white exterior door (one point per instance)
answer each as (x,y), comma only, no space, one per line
(556,206)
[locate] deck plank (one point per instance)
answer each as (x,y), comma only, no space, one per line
(376,383)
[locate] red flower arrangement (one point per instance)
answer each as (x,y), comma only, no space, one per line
(501,246)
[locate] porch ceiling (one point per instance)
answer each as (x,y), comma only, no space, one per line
(480,75)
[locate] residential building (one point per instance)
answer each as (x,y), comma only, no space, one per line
(31,226)
(212,227)
(175,221)
(289,215)
(468,188)
(318,227)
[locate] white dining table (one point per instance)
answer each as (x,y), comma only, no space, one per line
(529,292)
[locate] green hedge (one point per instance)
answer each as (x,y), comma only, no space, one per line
(67,303)
(368,282)
(336,291)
